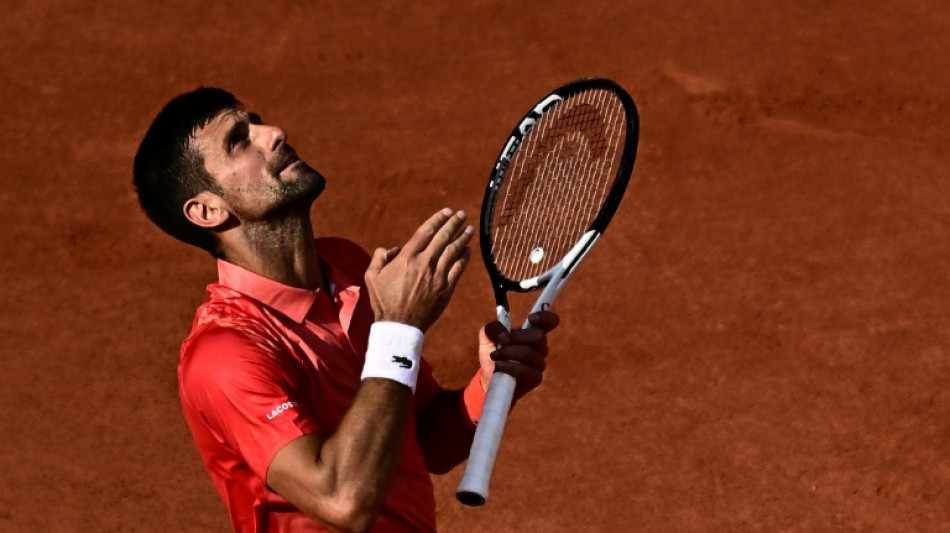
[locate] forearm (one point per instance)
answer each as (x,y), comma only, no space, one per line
(360,458)
(343,479)
(447,426)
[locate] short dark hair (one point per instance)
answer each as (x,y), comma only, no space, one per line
(168,169)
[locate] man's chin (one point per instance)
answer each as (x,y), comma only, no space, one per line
(304,186)
(315,181)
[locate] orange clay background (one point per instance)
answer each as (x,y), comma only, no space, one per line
(759,343)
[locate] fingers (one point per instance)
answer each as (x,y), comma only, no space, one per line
(524,363)
(414,285)
(527,378)
(494,334)
(427,231)
(448,235)
(518,355)
(546,320)
(455,271)
(421,238)
(451,249)
(521,347)
(542,322)
(381,257)
(536,335)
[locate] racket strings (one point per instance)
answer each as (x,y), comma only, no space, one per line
(536,163)
(554,151)
(557,183)
(586,201)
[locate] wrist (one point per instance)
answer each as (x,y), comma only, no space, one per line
(393,352)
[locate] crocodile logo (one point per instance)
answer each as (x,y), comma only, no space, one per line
(404,362)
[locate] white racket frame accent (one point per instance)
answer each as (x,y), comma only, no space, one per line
(473,488)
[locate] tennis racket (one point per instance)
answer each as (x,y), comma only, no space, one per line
(556,185)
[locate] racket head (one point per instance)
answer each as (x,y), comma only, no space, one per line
(561,174)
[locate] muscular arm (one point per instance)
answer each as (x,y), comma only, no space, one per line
(341,480)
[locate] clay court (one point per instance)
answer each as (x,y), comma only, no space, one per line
(760,342)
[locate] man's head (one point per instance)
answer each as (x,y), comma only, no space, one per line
(206,165)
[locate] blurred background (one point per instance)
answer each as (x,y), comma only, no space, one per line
(760,342)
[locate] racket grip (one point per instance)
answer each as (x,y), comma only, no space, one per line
(473,488)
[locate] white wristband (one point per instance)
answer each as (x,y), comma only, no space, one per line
(393,352)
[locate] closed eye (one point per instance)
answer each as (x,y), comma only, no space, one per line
(240,133)
(238,136)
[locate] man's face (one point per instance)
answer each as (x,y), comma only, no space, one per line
(258,172)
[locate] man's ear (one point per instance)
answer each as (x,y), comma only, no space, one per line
(206,210)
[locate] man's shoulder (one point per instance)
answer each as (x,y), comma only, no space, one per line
(226,349)
(229,316)
(228,308)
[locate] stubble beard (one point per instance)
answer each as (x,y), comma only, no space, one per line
(280,197)
(300,192)
(288,215)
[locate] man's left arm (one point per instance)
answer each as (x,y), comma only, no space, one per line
(446,423)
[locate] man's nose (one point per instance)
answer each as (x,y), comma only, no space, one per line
(271,137)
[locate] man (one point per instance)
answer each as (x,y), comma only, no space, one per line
(302,379)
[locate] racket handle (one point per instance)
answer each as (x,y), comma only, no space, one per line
(473,489)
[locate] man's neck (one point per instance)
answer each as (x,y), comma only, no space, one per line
(281,250)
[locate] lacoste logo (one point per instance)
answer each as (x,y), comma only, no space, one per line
(280,409)
(404,362)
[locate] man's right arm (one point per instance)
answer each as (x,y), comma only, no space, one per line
(341,480)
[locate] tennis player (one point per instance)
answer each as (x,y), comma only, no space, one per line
(302,379)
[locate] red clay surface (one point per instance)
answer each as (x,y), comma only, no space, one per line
(759,343)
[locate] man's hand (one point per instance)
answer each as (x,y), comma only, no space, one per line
(520,353)
(414,284)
